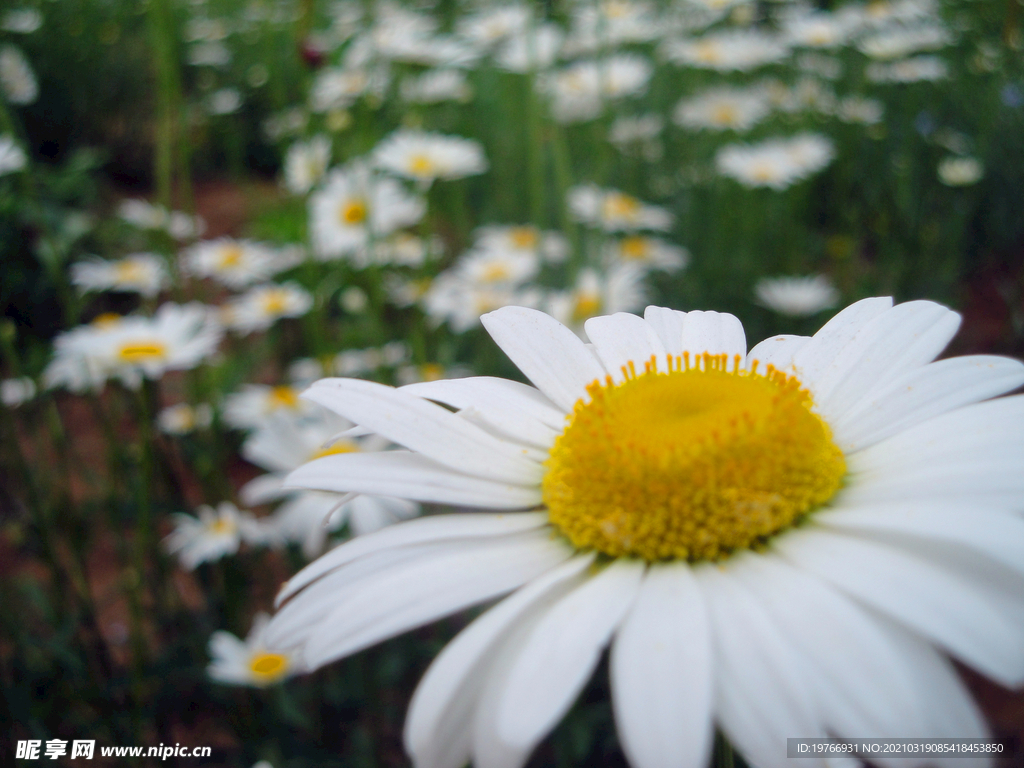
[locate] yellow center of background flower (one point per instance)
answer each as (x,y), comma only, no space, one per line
(353,212)
(283,397)
(691,464)
(141,352)
(523,237)
(268,666)
(634,248)
(275,302)
(618,206)
(725,114)
(421,165)
(129,272)
(230,256)
(495,273)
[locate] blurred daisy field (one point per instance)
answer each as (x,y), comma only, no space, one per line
(551,384)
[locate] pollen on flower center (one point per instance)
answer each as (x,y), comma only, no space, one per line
(621,206)
(692,464)
(284,396)
(268,665)
(353,212)
(523,237)
(141,352)
(634,247)
(421,165)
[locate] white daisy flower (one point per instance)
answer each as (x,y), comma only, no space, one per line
(960,171)
(775,163)
(578,92)
(620,288)
(183,419)
(254,403)
(142,273)
(283,444)
(611,23)
(790,540)
(424,157)
(727,51)
(550,247)
(12,156)
(355,362)
(724,108)
(615,211)
(178,337)
(223,101)
(306,163)
(858,109)
(901,41)
(16,392)
(17,80)
(208,54)
(236,263)
(913,70)
(626,130)
(211,535)
(796,296)
(249,662)
(23,21)
(259,308)
(817,29)
(405,250)
(489,26)
(530,50)
(336,88)
(144,215)
(459,299)
(647,252)
(436,86)
(354,206)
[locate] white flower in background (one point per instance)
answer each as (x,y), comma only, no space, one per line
(647,252)
(182,419)
(178,337)
(620,288)
(609,24)
(913,70)
(224,101)
(142,273)
(615,211)
(731,50)
(306,163)
(820,65)
(211,535)
(354,362)
(808,94)
(455,298)
(282,444)
(15,392)
(796,296)
(578,92)
(487,27)
(436,86)
(12,156)
(22,21)
(530,50)
(144,215)
(775,163)
(724,108)
(212,54)
(858,109)
(405,292)
(424,157)
(901,41)
(355,205)
(237,263)
(404,250)
(17,80)
(414,374)
(887,535)
(817,29)
(204,29)
(353,300)
(253,404)
(635,130)
(550,247)
(403,35)
(260,307)
(960,171)
(249,662)
(336,88)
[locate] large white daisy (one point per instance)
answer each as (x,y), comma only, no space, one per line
(790,541)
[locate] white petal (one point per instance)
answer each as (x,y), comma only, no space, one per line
(409,476)
(924,393)
(777,351)
(662,673)
(484,391)
(668,324)
(438,731)
(426,428)
(991,533)
(548,353)
(422,530)
(625,342)
(952,612)
(262,489)
(714,332)
(907,336)
(762,697)
(817,355)
(421,591)
(556,660)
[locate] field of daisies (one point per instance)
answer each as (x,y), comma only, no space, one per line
(445,382)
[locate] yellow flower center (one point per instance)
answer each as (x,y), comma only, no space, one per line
(707,52)
(523,237)
(342,446)
(725,114)
(283,397)
(267,667)
(222,526)
(495,273)
(618,206)
(106,319)
(421,165)
(586,306)
(692,464)
(129,272)
(353,212)
(230,256)
(142,351)
(431,371)
(635,248)
(763,172)
(275,302)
